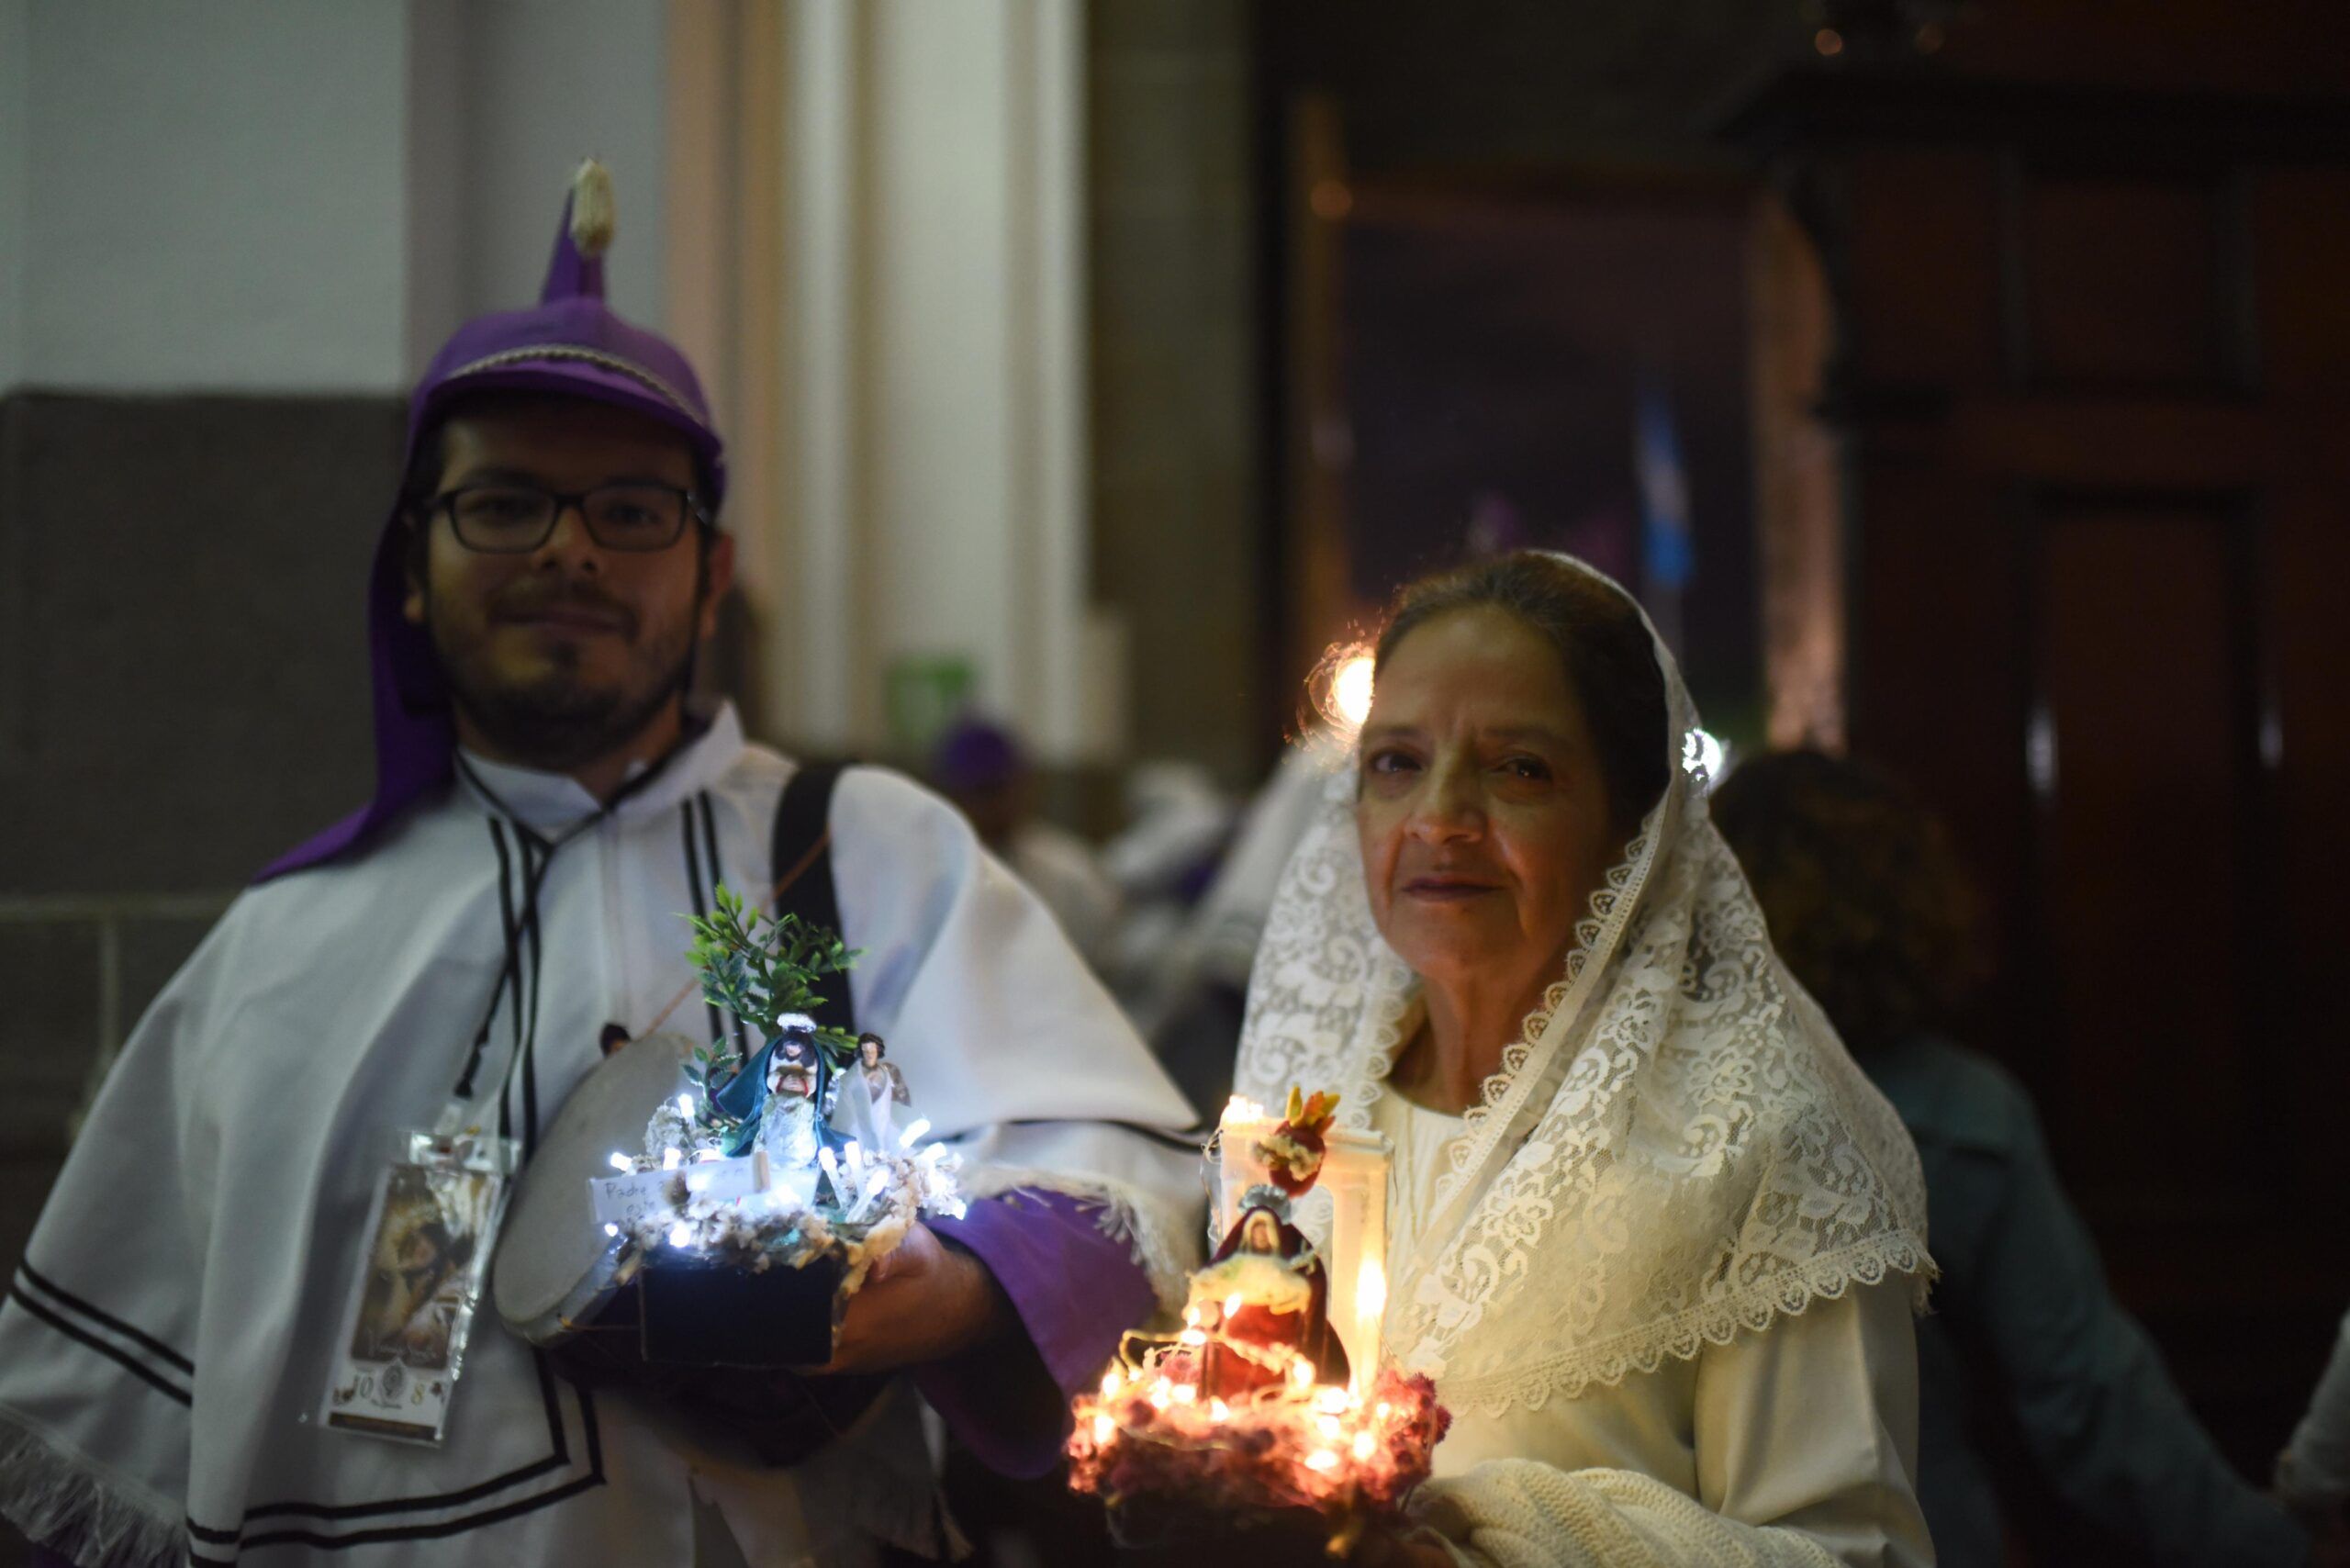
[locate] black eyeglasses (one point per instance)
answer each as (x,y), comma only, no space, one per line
(509,519)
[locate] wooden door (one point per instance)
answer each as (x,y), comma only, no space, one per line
(2092,373)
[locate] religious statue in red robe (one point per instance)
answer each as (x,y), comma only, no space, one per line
(1264,1298)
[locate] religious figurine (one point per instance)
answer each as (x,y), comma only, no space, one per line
(787,1121)
(867,1096)
(1264,1298)
(773,1097)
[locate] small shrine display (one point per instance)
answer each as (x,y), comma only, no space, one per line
(763,1189)
(807,1150)
(1272,1396)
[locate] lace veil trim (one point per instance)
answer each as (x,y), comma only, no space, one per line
(1676,1148)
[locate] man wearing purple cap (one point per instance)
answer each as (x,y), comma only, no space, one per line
(546,805)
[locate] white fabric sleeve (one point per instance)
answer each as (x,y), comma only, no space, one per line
(1805,1439)
(1520,1513)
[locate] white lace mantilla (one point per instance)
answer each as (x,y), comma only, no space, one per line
(1677,1148)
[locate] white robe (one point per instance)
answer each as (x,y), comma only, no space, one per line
(188,1276)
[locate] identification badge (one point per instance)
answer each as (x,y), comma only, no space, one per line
(429,1237)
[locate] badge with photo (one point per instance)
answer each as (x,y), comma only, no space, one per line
(430,1235)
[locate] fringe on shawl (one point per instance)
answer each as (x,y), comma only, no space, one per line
(1151,1240)
(79,1510)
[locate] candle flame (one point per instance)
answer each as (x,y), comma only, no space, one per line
(1218,1410)
(623,1164)
(1110,1384)
(1321,1459)
(1103,1427)
(1364,1445)
(1301,1372)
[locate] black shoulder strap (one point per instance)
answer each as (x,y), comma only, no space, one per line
(802,861)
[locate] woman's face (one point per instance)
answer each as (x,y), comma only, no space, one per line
(1482,813)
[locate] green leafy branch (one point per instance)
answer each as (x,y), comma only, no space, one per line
(761,967)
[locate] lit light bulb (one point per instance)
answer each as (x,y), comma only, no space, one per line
(1364,1445)
(1333,1400)
(1185,1393)
(610,1229)
(1110,1384)
(686,1107)
(1350,690)
(680,1234)
(1322,1459)
(1384,1410)
(669,1157)
(1218,1410)
(1103,1427)
(1328,1425)
(1301,1372)
(623,1164)
(1231,1304)
(1191,1336)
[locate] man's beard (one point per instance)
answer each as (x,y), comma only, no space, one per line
(556,723)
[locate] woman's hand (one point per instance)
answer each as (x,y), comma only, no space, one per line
(1380,1550)
(924,1302)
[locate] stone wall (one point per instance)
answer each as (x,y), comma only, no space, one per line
(183,694)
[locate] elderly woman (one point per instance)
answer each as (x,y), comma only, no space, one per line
(1653,1234)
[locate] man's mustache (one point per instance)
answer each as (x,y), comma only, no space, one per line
(527,599)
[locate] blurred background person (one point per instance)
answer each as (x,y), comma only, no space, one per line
(1869,907)
(983,768)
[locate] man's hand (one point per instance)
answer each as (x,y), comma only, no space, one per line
(924,1302)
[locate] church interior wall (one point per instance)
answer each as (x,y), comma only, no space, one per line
(1177,516)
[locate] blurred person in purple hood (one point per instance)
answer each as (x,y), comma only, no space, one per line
(548,801)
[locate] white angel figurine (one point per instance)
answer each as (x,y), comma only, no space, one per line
(867,1096)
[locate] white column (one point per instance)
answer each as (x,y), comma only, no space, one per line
(932,493)
(16,158)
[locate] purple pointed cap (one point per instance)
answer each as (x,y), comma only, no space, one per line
(569,344)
